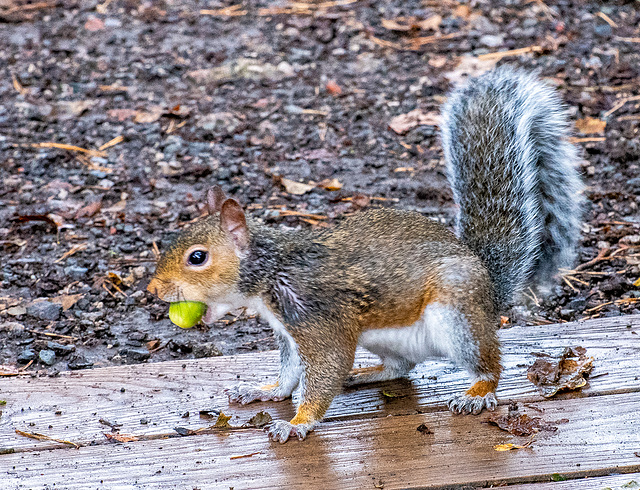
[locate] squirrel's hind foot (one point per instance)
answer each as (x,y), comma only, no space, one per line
(244,393)
(281,430)
(466,404)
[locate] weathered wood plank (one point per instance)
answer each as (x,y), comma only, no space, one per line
(613,482)
(600,436)
(70,406)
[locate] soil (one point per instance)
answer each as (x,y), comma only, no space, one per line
(180,96)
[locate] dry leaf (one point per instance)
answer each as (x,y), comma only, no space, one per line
(330,185)
(404,122)
(149,116)
(520,424)
(89,210)
(509,447)
(223,421)
(637,283)
(333,88)
(590,125)
(122,114)
(469,66)
(561,374)
(295,188)
(121,437)
(260,419)
(67,300)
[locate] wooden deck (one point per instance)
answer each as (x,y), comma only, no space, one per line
(367,441)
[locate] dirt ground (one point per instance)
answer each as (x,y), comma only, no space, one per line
(162,99)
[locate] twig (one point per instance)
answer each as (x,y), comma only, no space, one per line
(512,52)
(32,6)
(113,142)
(628,39)
(76,248)
(42,437)
(587,140)
(49,334)
(232,11)
(620,103)
(607,19)
(62,146)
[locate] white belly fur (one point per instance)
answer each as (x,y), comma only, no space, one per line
(433,335)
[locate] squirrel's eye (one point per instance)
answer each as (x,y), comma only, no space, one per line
(197,257)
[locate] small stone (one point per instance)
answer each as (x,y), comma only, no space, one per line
(491,40)
(48,357)
(17,311)
(79,362)
(566,313)
(44,310)
(206,349)
(136,354)
(75,272)
(144,421)
(603,30)
(61,348)
(13,329)
(26,355)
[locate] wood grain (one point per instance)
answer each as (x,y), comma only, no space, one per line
(600,436)
(69,406)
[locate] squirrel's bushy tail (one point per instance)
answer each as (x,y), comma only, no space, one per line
(512,170)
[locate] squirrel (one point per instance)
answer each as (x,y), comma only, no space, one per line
(395,282)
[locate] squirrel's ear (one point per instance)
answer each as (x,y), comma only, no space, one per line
(215,198)
(232,221)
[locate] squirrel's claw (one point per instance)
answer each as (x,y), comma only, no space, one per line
(244,393)
(281,430)
(465,404)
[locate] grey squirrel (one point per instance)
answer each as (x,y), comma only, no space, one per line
(395,282)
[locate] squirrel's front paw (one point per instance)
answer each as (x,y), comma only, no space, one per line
(246,393)
(281,430)
(465,404)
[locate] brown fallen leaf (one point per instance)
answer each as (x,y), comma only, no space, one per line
(520,424)
(590,125)
(295,188)
(330,184)
(333,88)
(122,114)
(121,437)
(223,421)
(152,114)
(510,447)
(89,210)
(260,419)
(404,122)
(469,66)
(67,300)
(568,372)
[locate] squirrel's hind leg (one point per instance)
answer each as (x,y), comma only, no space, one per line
(390,368)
